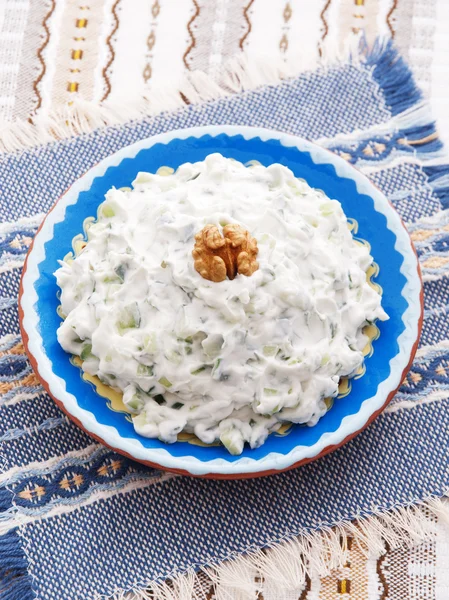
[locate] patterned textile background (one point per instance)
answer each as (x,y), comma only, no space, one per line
(65,502)
(54,50)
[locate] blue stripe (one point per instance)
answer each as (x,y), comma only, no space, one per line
(47,425)
(13,367)
(44,445)
(10,343)
(21,389)
(7,303)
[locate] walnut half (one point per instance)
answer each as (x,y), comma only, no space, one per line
(217,256)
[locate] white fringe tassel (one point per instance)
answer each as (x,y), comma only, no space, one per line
(82,116)
(285,565)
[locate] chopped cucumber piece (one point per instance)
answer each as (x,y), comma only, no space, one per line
(216,365)
(145,370)
(107,211)
(129,317)
(270,392)
(326,358)
(150,343)
(135,403)
(119,276)
(199,370)
(174,356)
(165,382)
(86,352)
(159,399)
(213,344)
(232,440)
(120,272)
(139,420)
(270,350)
(177,405)
(327,209)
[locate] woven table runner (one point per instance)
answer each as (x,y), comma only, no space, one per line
(57,51)
(78,521)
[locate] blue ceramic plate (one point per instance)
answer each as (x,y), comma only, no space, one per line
(379,224)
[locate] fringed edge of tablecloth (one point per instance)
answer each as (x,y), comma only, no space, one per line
(239,74)
(15,581)
(287,565)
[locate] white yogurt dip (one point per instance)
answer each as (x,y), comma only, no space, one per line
(227,361)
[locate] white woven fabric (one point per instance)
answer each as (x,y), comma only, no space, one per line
(52,51)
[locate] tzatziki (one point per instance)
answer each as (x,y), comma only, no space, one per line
(232,360)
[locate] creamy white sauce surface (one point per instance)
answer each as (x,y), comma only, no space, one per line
(227,361)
